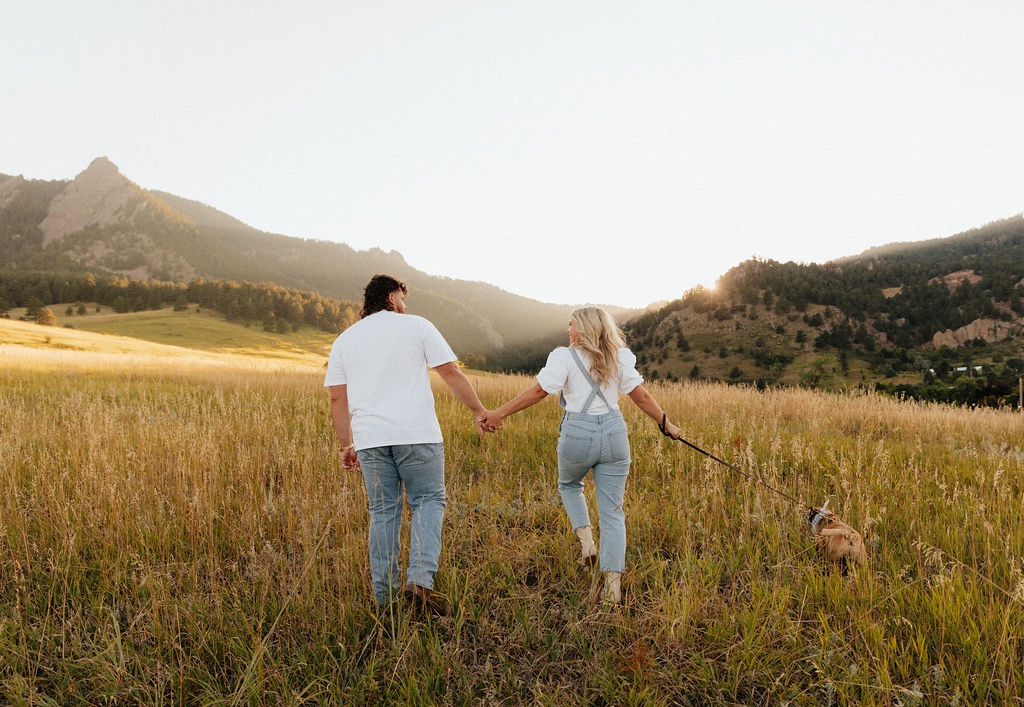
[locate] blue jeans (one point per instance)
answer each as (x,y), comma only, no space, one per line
(597,442)
(420,468)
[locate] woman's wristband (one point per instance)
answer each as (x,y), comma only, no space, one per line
(345,449)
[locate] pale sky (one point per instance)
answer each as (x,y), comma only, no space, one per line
(612,152)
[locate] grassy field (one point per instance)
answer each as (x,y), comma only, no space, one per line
(189,330)
(183,534)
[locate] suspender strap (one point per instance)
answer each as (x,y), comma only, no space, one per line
(595,388)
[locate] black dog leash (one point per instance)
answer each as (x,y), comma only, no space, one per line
(813,511)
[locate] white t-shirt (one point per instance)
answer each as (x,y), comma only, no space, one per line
(384,360)
(561,375)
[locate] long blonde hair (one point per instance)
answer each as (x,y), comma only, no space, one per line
(601,338)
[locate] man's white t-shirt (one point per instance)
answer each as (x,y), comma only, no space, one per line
(383,361)
(561,375)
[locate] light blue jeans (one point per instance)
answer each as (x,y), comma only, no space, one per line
(597,442)
(420,469)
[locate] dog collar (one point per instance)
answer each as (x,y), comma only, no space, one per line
(818,517)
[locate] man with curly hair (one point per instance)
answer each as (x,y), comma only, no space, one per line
(383,413)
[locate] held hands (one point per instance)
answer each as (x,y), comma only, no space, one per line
(488,421)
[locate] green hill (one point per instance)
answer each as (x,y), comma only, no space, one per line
(904,317)
(206,332)
(190,330)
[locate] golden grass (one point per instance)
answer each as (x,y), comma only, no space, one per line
(43,344)
(180,531)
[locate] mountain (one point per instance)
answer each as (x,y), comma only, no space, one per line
(904,315)
(102,222)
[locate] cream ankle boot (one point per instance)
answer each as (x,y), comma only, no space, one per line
(612,587)
(608,590)
(588,550)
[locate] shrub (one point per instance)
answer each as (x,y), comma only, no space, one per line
(46,317)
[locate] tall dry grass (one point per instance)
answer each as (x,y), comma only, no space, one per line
(183,534)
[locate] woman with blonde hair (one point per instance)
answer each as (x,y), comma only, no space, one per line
(589,375)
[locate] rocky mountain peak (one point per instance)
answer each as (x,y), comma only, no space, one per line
(101,165)
(98,195)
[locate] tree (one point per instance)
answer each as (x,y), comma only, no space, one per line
(46,317)
(816,373)
(965,390)
(1015,303)
(33,307)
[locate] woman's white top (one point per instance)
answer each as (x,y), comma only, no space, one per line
(561,375)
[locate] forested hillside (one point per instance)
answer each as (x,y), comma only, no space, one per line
(101,222)
(906,315)
(275,308)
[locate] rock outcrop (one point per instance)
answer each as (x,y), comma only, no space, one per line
(988,329)
(97,196)
(9,189)
(954,279)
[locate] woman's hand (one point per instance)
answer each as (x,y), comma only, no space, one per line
(672,430)
(490,421)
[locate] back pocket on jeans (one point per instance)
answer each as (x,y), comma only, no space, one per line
(575,447)
(618,446)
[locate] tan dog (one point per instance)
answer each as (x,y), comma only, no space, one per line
(836,540)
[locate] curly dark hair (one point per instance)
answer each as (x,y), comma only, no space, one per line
(375,294)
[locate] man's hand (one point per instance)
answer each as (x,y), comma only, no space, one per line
(342,419)
(491,421)
(349,459)
(488,421)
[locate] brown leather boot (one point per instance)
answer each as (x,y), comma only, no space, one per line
(425,600)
